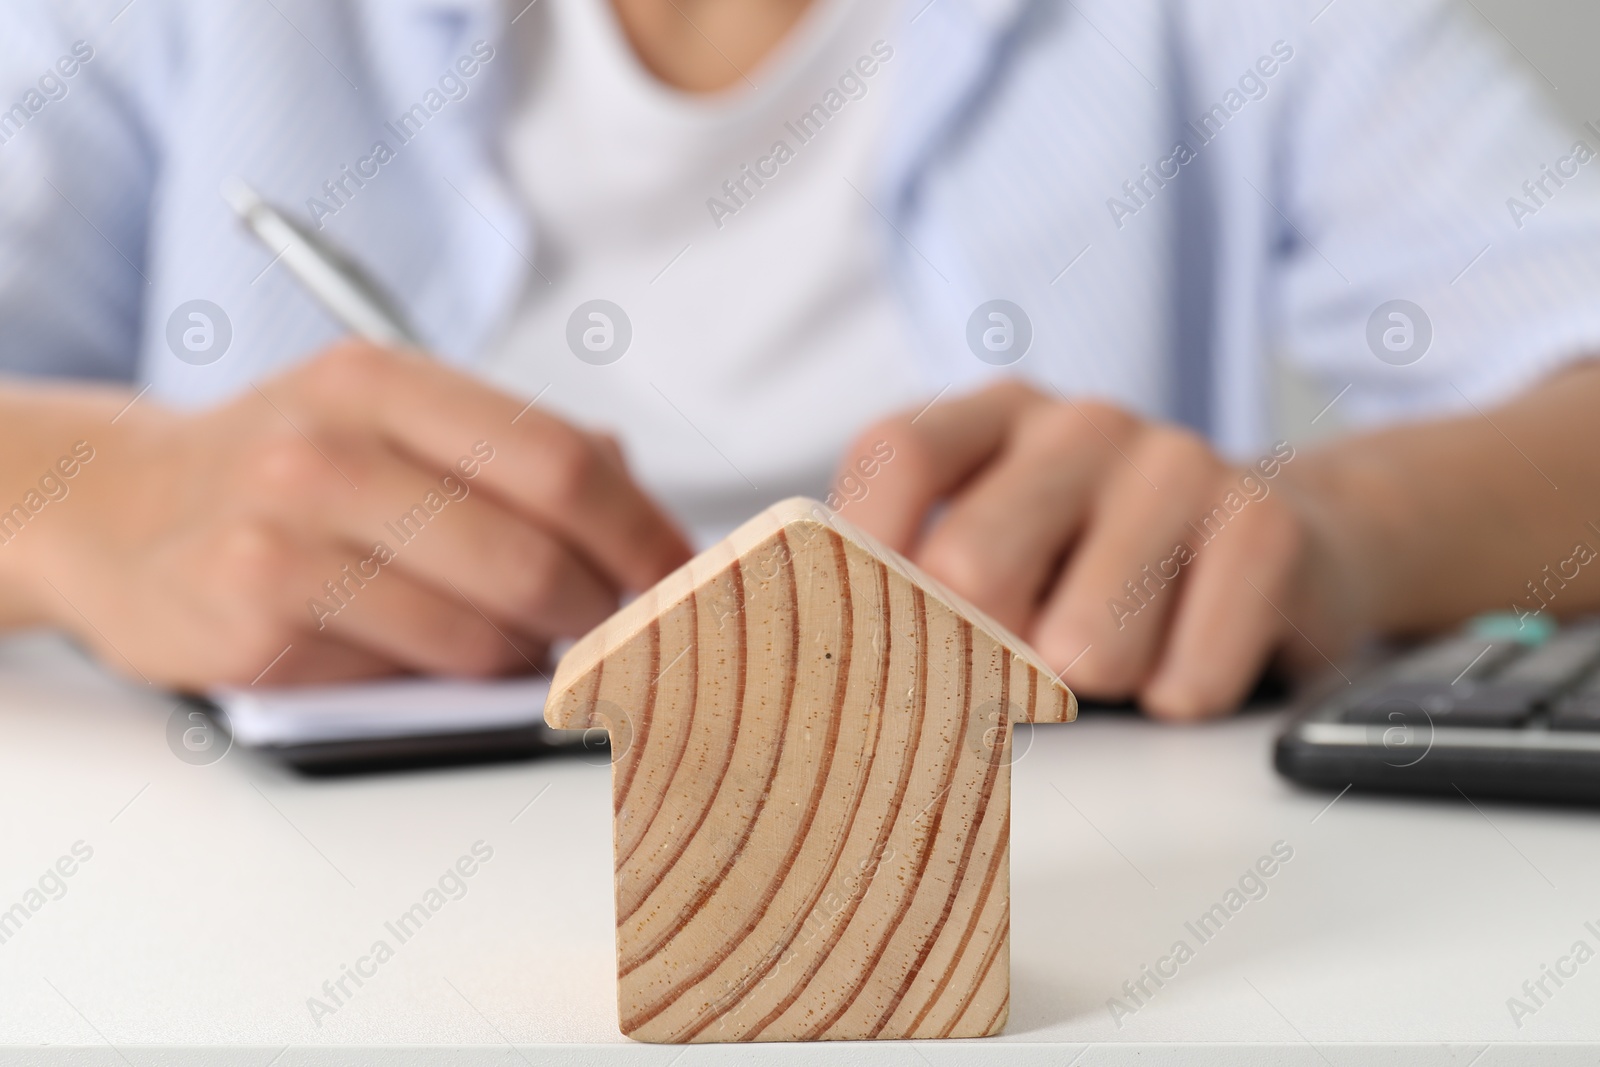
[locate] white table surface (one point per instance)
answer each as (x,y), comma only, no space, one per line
(219,898)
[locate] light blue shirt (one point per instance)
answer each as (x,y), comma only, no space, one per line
(1173,192)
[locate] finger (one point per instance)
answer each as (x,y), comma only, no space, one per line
(322,661)
(516,574)
(1000,542)
(930,452)
(609,447)
(542,467)
(280,584)
(1121,583)
(440,530)
(402,620)
(1230,614)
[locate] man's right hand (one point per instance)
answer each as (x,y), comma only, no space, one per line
(371,512)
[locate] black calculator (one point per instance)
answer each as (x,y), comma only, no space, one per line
(1505,709)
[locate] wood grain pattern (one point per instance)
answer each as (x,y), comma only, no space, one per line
(812,790)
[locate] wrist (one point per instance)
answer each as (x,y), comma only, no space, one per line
(21,602)
(51,437)
(1342,587)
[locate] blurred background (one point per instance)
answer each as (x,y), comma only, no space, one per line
(1557,42)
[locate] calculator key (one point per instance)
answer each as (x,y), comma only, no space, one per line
(1443,704)
(1455,660)
(1556,664)
(1468,681)
(1577,713)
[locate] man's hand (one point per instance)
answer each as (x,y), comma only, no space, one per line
(1130,555)
(370,512)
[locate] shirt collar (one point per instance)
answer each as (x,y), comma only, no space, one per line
(951,48)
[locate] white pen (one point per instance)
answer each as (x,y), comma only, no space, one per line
(339,285)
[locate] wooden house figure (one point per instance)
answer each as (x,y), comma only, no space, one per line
(811,790)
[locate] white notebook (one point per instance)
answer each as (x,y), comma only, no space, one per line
(407,707)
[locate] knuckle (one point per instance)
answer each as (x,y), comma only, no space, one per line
(1274,530)
(536,581)
(959,564)
(895,430)
(1054,429)
(1174,454)
(610,446)
(350,368)
(863,442)
(478,651)
(284,465)
(913,459)
(571,464)
(1111,419)
(1013,390)
(255,556)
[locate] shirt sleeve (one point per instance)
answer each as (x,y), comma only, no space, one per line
(1439,226)
(77,161)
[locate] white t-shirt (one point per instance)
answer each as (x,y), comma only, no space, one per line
(733,232)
